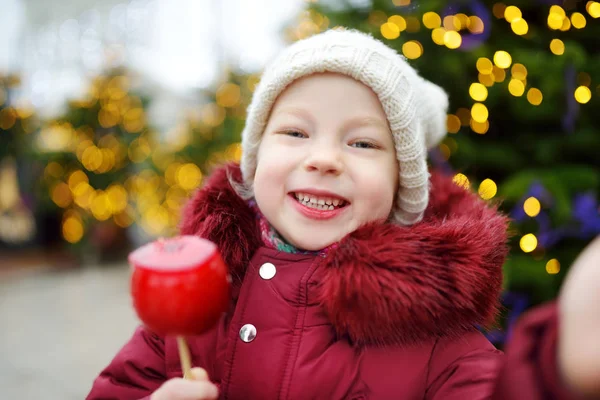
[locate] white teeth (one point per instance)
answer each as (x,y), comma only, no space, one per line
(324,203)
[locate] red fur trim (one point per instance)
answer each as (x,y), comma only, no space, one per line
(218,214)
(393,284)
(386,283)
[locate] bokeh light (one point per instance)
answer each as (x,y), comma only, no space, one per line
(528,243)
(461,180)
(583,94)
(487,189)
(553,266)
(532,206)
(502,59)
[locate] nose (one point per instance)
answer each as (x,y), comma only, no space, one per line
(324,159)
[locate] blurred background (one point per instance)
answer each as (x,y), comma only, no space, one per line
(112,114)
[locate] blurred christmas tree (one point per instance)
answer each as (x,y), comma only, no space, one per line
(208,136)
(88,154)
(17,122)
(523,80)
(105,169)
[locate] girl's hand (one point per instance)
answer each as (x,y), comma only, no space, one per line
(579,323)
(198,388)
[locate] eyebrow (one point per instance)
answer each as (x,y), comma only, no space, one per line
(357,122)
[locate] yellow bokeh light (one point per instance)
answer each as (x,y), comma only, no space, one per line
(76,178)
(519,26)
(519,71)
(556,18)
(487,189)
(462,181)
(534,96)
(566,24)
(72,230)
(109,116)
(502,59)
(233,152)
(451,23)
(553,266)
(476,25)
(532,207)
(61,195)
(412,49)
(92,158)
(212,114)
(252,82)
(432,20)
(139,150)
(400,3)
(480,128)
(486,80)
(583,94)
(479,112)
(117,198)
(484,66)
(593,8)
(437,35)
(452,123)
(100,206)
(390,31)
(189,176)
(478,92)
(558,11)
(123,219)
(557,47)
(134,120)
(228,95)
(528,243)
(578,20)
(512,13)
(399,21)
(498,74)
(463,21)
(516,87)
(8,117)
(452,39)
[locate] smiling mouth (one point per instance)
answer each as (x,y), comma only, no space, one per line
(319,202)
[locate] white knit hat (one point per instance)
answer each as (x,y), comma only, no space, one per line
(415,108)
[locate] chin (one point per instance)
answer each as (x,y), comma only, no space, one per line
(313,245)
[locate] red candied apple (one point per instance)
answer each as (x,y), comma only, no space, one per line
(180,286)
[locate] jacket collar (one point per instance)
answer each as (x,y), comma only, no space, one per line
(384,283)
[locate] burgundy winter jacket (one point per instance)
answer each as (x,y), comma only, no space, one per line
(391,313)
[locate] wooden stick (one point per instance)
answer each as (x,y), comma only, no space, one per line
(184,357)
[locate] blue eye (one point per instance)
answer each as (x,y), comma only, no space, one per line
(296,134)
(363,145)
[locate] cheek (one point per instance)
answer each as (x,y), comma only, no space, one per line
(379,193)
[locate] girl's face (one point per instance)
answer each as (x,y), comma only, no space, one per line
(327,162)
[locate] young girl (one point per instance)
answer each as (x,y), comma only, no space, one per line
(356,274)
